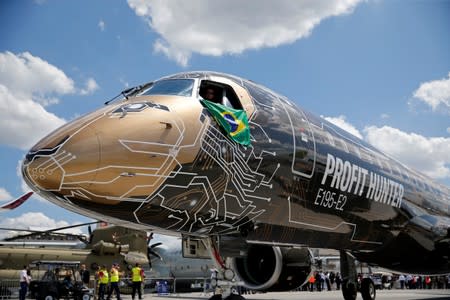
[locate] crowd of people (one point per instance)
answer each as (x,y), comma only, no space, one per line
(107,281)
(424,282)
(320,281)
(327,281)
(113,279)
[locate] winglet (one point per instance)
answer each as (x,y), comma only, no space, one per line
(16,203)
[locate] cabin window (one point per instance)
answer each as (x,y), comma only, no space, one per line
(174,87)
(219,93)
(192,250)
(330,139)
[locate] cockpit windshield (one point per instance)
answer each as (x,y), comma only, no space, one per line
(176,87)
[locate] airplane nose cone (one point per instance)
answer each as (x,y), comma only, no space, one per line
(109,163)
(44,173)
(51,163)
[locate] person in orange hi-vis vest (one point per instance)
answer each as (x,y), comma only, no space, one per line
(311,281)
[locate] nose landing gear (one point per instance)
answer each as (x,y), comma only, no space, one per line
(350,282)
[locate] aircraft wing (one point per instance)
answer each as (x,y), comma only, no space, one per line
(16,203)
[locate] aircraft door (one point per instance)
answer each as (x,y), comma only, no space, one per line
(304,150)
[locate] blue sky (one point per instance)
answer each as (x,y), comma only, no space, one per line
(379,69)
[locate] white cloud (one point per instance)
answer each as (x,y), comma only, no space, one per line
(342,123)
(4,195)
(34,221)
(124,82)
(429,155)
(435,93)
(101,25)
(213,27)
(26,74)
(27,85)
(27,119)
(90,87)
(179,55)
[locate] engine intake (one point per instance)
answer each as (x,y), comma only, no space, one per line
(273,268)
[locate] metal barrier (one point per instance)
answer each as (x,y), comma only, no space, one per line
(9,288)
(175,285)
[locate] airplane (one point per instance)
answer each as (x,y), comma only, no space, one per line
(15,203)
(105,245)
(183,274)
(156,157)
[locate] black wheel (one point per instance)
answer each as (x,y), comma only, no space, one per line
(50,297)
(368,291)
(86,297)
(216,297)
(349,290)
(234,297)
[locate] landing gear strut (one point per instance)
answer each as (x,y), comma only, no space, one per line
(226,277)
(350,281)
(349,278)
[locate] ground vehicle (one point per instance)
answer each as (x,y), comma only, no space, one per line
(382,280)
(376,277)
(59,281)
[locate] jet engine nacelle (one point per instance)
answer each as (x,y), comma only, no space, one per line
(273,268)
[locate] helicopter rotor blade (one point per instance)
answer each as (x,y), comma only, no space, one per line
(35,232)
(155,245)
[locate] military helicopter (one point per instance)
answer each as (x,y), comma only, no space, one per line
(103,246)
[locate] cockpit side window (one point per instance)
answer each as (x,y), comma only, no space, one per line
(219,93)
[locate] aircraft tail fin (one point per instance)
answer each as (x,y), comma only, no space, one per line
(16,203)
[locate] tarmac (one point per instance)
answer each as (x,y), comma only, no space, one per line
(326,295)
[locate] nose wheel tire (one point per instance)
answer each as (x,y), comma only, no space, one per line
(234,297)
(368,289)
(231,297)
(349,290)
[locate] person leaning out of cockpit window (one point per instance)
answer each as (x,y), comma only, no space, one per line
(209,94)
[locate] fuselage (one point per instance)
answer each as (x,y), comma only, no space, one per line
(159,161)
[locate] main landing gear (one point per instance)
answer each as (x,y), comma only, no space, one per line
(226,278)
(225,282)
(350,280)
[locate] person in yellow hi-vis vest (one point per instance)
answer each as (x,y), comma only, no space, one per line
(103,279)
(114,279)
(137,275)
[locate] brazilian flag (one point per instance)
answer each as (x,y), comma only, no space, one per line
(234,121)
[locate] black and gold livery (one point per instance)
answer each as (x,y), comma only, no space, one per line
(157,160)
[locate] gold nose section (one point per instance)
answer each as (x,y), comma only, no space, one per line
(47,167)
(46,174)
(47,164)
